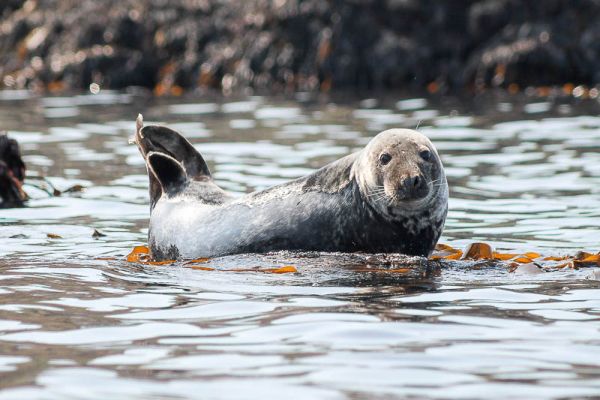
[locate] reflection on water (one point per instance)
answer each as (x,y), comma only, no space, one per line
(76,320)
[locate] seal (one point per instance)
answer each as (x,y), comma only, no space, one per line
(12,173)
(391,197)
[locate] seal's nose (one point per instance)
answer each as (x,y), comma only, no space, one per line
(414,181)
(412,187)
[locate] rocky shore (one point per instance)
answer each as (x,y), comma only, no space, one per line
(313,45)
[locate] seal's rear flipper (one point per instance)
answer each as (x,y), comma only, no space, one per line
(170,175)
(153,138)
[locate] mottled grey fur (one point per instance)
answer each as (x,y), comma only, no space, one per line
(361,202)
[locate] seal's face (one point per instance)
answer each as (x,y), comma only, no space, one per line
(400,169)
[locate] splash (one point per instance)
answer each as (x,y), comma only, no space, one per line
(484,252)
(141,255)
(476,254)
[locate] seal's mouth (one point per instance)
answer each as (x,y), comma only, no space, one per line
(415,199)
(410,203)
(410,196)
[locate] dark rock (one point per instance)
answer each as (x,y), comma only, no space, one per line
(299,44)
(97,234)
(10,5)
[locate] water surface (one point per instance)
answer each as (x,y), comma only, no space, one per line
(78,321)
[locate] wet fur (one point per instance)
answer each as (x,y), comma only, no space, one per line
(324,211)
(12,173)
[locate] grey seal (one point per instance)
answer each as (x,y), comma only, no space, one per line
(391,197)
(12,173)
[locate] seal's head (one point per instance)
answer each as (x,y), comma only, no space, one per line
(400,171)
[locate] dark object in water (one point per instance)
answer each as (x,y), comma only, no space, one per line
(97,234)
(12,173)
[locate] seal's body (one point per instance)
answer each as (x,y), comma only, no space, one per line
(390,197)
(12,173)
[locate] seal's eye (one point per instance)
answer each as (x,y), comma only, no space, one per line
(425,155)
(385,158)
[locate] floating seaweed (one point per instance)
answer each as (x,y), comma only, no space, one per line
(475,255)
(485,253)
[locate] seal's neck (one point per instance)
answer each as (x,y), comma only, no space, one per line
(412,231)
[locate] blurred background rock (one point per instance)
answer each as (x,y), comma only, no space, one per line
(170,46)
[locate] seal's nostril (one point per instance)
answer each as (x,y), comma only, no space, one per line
(416,180)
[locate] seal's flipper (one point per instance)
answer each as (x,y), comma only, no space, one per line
(153,138)
(169,173)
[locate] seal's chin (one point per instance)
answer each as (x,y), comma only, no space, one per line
(404,197)
(410,204)
(402,202)
(407,196)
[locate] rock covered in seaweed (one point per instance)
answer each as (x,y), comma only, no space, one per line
(298,44)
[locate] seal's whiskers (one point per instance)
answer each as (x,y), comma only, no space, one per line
(378,193)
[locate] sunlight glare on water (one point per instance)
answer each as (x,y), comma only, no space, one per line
(77,320)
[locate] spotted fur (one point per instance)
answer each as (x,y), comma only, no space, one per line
(353,204)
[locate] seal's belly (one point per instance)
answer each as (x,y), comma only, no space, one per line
(180,229)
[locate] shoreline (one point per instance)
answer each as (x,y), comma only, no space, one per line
(291,45)
(565,93)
